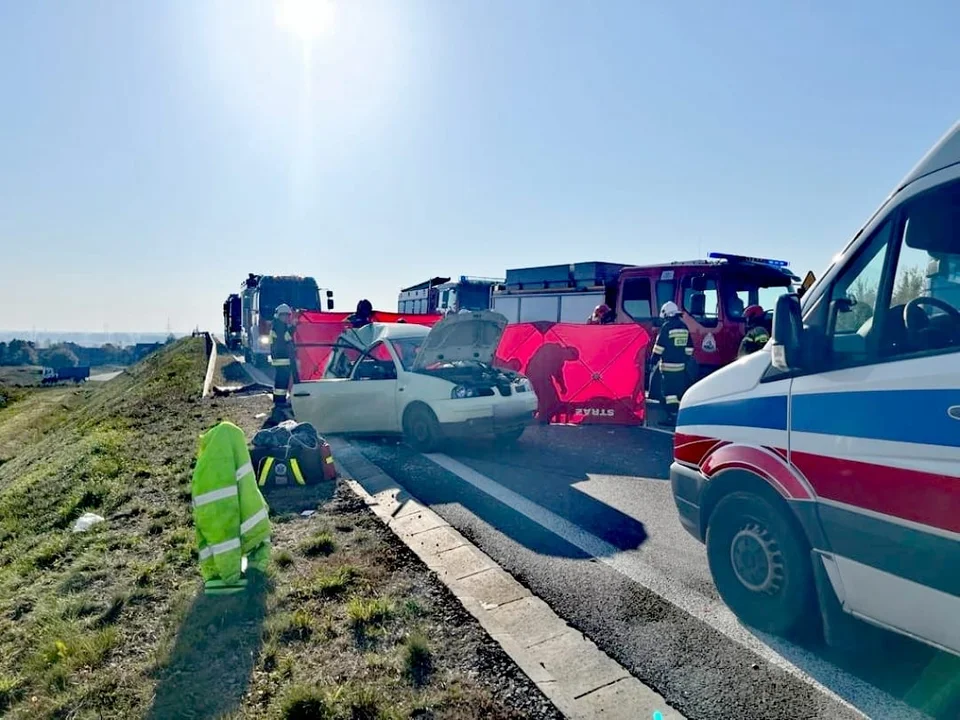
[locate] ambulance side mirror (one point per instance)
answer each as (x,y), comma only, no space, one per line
(787,345)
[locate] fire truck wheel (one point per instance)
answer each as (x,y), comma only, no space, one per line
(760,563)
(421,429)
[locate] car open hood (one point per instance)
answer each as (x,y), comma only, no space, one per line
(462,337)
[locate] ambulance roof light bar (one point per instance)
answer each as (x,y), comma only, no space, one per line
(744,258)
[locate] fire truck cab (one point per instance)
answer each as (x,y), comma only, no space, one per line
(712,294)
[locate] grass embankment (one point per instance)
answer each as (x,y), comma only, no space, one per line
(109,623)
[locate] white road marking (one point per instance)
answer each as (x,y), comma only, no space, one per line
(870,700)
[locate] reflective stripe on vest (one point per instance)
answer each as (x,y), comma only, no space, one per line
(220,548)
(248,524)
(244,469)
(214,495)
(280,362)
(672,367)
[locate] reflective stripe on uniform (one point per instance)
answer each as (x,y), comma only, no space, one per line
(688,350)
(678,332)
(280,392)
(672,367)
(214,495)
(672,400)
(297,475)
(220,548)
(244,469)
(280,362)
(657,350)
(248,524)
(265,470)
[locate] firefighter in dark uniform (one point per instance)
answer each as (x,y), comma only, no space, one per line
(282,354)
(756,336)
(363,315)
(670,351)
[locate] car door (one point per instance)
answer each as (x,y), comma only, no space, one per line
(335,403)
(374,385)
(876,430)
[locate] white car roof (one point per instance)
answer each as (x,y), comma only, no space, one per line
(944,154)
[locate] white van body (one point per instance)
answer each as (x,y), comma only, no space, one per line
(835,479)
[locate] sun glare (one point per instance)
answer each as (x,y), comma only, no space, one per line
(307,19)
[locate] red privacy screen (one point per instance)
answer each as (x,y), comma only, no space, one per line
(316,332)
(581,373)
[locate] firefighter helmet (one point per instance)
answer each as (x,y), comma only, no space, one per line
(601,310)
(753,313)
(283,309)
(669,309)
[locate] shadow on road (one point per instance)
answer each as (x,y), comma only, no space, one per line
(215,652)
(543,468)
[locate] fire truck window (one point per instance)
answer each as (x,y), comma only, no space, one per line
(703,305)
(637,302)
(509,307)
(666,290)
(534,308)
(576,307)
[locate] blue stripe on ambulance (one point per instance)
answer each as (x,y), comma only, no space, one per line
(909,416)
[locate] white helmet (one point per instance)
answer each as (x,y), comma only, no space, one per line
(283,309)
(669,309)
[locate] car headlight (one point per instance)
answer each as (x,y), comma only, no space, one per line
(264,340)
(461,391)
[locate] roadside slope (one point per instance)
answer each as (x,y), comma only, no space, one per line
(109,623)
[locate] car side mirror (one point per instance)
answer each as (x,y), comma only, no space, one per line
(787,345)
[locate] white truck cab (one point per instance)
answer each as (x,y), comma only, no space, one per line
(823,473)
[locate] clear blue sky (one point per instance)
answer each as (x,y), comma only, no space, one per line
(153,153)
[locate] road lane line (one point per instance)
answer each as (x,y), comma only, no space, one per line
(813,670)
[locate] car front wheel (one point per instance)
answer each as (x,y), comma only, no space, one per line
(509,437)
(760,563)
(421,429)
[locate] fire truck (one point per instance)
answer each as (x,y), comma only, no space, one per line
(712,293)
(440,295)
(259,297)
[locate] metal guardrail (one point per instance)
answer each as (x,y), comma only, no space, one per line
(211,347)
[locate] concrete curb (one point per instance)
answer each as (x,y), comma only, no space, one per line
(211,365)
(578,678)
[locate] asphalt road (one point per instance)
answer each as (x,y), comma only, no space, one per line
(584,517)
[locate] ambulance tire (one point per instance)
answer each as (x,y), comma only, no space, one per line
(772,587)
(421,429)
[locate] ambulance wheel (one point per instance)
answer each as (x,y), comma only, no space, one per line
(760,563)
(421,429)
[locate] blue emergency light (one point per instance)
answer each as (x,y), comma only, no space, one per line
(744,258)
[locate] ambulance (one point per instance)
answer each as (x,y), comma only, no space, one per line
(823,472)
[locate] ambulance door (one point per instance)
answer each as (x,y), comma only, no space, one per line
(875,427)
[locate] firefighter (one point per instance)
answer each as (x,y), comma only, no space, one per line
(281,353)
(756,336)
(601,315)
(229,513)
(363,315)
(673,348)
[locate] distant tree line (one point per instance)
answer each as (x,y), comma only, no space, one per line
(61,355)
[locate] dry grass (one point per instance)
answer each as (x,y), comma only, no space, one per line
(109,623)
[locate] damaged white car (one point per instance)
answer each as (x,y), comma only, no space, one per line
(429,384)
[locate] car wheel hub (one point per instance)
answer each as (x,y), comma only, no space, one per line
(756,559)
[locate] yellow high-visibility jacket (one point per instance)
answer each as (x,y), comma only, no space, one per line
(229,512)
